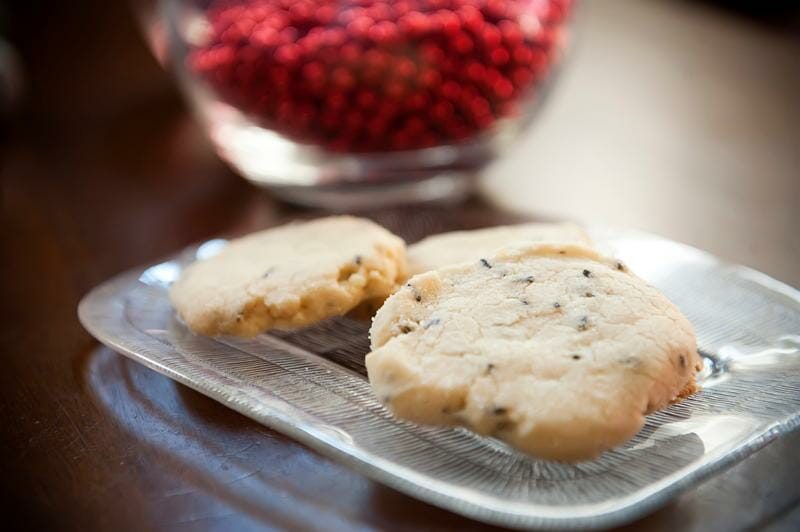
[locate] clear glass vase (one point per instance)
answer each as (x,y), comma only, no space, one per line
(345,104)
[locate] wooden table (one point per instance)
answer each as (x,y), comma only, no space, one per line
(694,135)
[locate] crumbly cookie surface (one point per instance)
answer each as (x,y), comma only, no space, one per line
(445,249)
(553,348)
(290,276)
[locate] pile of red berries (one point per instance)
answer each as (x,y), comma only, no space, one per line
(378,75)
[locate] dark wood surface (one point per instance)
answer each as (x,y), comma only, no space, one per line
(103,170)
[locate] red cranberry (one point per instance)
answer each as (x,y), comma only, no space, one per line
(377,75)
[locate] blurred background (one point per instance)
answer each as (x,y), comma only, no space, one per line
(677,117)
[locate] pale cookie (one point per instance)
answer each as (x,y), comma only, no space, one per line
(445,249)
(290,276)
(551,347)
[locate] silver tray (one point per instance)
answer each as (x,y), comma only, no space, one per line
(310,384)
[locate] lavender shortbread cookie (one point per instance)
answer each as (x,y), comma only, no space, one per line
(290,276)
(553,348)
(445,249)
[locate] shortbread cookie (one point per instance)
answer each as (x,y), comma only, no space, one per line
(290,276)
(553,348)
(459,246)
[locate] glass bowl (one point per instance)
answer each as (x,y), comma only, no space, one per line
(362,102)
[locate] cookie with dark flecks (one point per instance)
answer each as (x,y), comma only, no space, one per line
(554,349)
(445,249)
(290,276)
